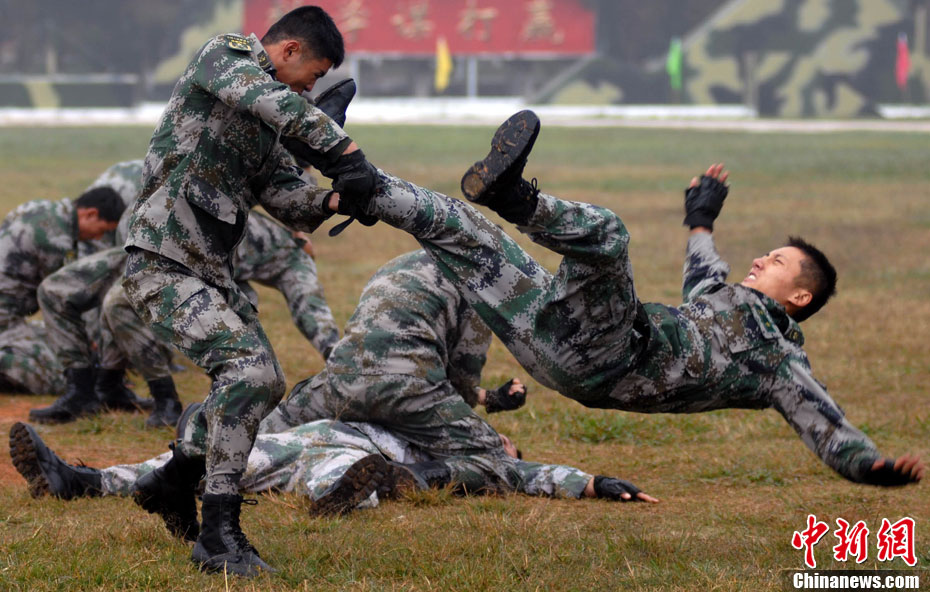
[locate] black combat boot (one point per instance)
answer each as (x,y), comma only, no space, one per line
(45,472)
(355,486)
(170,491)
(497,180)
(115,395)
(405,478)
(222,546)
(167,404)
(79,399)
(333,102)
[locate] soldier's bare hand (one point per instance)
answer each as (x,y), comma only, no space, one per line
(516,387)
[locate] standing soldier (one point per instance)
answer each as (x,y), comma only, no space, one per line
(36,239)
(214,155)
(269,254)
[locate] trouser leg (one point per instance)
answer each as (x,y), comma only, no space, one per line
(126,337)
(220,332)
(27,362)
(67,294)
(574,331)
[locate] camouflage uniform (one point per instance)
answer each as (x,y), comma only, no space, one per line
(268,255)
(309,458)
(411,361)
(584,333)
(215,154)
(36,239)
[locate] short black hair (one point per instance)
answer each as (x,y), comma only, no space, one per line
(313,26)
(110,206)
(817,275)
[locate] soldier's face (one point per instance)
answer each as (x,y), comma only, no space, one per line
(91,226)
(509,447)
(775,274)
(301,71)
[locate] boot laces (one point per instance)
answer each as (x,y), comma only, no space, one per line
(241,539)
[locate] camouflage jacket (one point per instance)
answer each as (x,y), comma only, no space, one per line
(730,346)
(217,152)
(436,335)
(36,239)
(270,255)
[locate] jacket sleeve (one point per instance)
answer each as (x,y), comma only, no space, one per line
(703,266)
(469,353)
(301,288)
(550,480)
(237,80)
(820,423)
(292,197)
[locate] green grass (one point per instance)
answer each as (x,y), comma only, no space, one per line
(734,484)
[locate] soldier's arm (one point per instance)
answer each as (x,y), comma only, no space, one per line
(820,423)
(469,353)
(703,266)
(235,79)
(557,481)
(292,197)
(301,288)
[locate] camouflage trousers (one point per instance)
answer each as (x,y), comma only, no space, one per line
(429,415)
(309,458)
(68,294)
(126,337)
(27,362)
(574,331)
(218,330)
(305,460)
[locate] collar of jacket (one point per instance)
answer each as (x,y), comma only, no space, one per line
(786,325)
(261,56)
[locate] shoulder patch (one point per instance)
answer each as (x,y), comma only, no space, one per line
(238,42)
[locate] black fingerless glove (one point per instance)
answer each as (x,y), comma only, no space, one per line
(613,489)
(884,476)
(501,399)
(703,202)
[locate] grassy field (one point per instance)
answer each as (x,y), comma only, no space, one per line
(734,484)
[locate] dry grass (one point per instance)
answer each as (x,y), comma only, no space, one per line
(734,484)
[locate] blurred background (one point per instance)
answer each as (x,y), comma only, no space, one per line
(767,58)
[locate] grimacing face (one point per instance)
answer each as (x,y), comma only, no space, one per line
(775,275)
(296,66)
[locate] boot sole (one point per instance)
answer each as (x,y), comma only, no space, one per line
(24,452)
(512,141)
(354,487)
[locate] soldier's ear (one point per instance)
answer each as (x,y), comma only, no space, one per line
(800,297)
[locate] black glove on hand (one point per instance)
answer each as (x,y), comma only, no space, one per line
(704,201)
(501,399)
(355,180)
(613,489)
(885,475)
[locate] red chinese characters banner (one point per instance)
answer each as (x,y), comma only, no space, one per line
(522,27)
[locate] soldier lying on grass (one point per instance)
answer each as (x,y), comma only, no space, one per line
(584,332)
(338,466)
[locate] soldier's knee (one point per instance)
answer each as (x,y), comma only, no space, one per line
(267,376)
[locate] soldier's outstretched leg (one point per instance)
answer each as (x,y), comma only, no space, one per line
(45,472)
(576,331)
(220,332)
